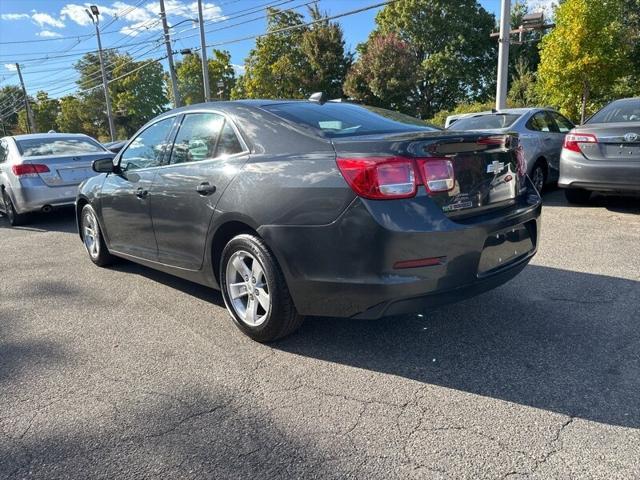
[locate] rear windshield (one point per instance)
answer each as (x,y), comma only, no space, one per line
(345,119)
(38,147)
(484,122)
(624,111)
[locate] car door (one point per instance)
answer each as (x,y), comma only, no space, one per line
(124,198)
(541,123)
(562,127)
(206,155)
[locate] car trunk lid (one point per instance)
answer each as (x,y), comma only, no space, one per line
(614,141)
(66,170)
(488,167)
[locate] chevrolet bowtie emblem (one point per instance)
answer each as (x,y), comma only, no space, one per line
(495,167)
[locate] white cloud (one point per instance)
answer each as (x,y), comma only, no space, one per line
(15,16)
(10,66)
(42,19)
(545,6)
(75,13)
(239,69)
(48,34)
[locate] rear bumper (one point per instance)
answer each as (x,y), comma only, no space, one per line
(598,175)
(345,269)
(32,197)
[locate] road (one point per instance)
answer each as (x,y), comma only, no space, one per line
(128,373)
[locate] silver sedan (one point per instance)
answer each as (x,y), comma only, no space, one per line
(541,132)
(603,155)
(42,171)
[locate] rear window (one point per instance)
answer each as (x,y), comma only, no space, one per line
(344,119)
(616,112)
(38,147)
(485,122)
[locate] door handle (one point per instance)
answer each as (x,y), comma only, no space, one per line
(142,193)
(205,188)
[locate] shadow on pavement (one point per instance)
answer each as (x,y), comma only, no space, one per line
(612,203)
(553,339)
(59,220)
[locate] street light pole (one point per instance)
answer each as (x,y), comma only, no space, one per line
(205,66)
(172,71)
(31,123)
(503,54)
(96,23)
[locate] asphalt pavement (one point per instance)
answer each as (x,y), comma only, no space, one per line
(128,373)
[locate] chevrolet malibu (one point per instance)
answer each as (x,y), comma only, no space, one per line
(296,208)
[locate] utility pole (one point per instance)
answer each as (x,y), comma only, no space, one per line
(31,123)
(96,22)
(172,71)
(205,66)
(503,54)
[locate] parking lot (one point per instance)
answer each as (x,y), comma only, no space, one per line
(130,373)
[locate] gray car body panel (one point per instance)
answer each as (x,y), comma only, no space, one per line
(288,188)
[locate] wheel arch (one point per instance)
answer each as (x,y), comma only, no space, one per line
(221,236)
(80,203)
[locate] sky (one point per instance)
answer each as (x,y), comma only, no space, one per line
(48,63)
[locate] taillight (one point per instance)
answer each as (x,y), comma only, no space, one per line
(380,177)
(29,169)
(437,174)
(572,141)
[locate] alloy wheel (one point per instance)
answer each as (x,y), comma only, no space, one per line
(247,288)
(538,178)
(90,234)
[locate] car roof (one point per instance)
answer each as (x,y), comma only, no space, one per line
(34,136)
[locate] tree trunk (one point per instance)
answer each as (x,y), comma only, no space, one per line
(585,96)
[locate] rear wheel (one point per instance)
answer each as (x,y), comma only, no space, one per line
(14,217)
(92,238)
(577,195)
(539,176)
(255,291)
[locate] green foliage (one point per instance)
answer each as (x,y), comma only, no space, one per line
(439,118)
(45,113)
(525,51)
(452,48)
(385,74)
(189,75)
(70,118)
(297,62)
(522,90)
(9,95)
(583,56)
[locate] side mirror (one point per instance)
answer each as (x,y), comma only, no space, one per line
(104,165)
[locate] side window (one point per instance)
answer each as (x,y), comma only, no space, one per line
(540,123)
(4,151)
(197,138)
(148,148)
(228,143)
(564,125)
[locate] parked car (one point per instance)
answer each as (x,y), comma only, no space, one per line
(451,119)
(603,155)
(116,146)
(313,208)
(41,171)
(541,132)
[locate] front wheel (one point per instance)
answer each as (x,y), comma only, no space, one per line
(577,195)
(255,291)
(15,218)
(539,176)
(93,239)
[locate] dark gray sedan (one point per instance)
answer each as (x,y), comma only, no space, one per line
(603,155)
(295,208)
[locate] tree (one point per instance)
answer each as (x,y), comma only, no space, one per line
(581,58)
(137,97)
(522,91)
(189,76)
(525,52)
(296,62)
(10,103)
(70,118)
(453,51)
(385,74)
(45,113)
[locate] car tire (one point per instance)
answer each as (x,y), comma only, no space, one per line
(539,176)
(577,195)
(15,218)
(93,239)
(255,291)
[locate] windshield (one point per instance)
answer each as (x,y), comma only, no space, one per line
(485,122)
(39,147)
(344,119)
(620,111)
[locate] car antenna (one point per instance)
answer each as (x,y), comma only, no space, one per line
(319,97)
